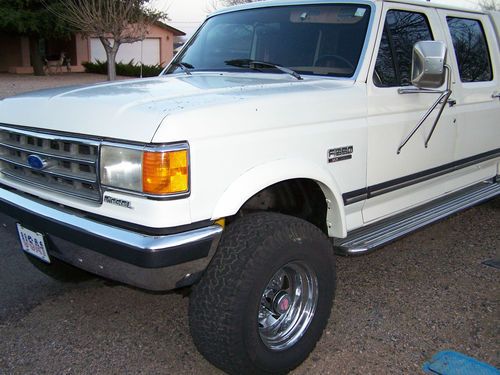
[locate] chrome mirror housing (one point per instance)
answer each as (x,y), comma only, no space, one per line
(428,64)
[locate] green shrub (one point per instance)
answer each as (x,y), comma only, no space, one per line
(130,69)
(98,67)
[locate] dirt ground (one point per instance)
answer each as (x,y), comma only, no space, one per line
(11,84)
(393,310)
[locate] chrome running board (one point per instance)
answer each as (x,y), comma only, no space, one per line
(364,240)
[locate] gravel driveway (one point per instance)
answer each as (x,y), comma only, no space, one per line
(11,84)
(393,310)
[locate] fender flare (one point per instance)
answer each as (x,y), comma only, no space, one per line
(265,175)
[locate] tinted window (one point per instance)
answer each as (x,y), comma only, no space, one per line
(311,39)
(471,49)
(401,31)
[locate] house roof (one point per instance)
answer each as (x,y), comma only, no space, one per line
(173,30)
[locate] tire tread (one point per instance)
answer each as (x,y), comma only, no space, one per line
(212,302)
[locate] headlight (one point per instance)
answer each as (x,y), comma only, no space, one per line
(121,168)
(157,171)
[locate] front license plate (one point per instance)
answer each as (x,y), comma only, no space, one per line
(33,243)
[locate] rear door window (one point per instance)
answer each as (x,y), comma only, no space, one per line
(471,49)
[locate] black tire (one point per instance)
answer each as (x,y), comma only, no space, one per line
(59,270)
(225,313)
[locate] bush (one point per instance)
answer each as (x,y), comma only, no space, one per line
(130,69)
(98,67)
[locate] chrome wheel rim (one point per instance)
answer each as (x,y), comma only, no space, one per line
(287,305)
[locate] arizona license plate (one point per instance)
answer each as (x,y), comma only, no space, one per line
(33,243)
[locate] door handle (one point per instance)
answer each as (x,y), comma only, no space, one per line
(495,95)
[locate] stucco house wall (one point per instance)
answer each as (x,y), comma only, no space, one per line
(159,37)
(15,49)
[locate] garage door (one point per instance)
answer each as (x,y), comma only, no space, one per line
(150,51)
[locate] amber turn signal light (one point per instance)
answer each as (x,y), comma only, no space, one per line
(165,172)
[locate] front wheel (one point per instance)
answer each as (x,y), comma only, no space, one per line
(265,299)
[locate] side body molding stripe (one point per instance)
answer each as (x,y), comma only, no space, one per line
(399,183)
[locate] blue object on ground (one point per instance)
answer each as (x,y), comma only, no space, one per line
(453,363)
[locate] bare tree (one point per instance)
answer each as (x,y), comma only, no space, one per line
(114,22)
(490,4)
(229,3)
(213,5)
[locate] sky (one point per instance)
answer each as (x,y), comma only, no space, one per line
(187,15)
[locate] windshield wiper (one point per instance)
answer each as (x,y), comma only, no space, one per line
(254,64)
(185,67)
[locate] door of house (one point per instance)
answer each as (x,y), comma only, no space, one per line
(147,51)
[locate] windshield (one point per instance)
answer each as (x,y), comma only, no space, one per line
(308,39)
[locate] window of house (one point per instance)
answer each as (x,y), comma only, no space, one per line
(402,30)
(471,50)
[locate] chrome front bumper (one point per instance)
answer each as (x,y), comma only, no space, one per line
(154,262)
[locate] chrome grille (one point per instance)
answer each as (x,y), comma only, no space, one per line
(70,164)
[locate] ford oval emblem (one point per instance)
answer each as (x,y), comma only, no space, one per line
(36,162)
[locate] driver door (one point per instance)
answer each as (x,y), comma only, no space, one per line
(397,182)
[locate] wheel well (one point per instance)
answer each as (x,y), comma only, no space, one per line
(302,198)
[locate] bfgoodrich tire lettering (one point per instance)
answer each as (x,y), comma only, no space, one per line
(225,311)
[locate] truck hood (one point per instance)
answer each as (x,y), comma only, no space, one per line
(134,109)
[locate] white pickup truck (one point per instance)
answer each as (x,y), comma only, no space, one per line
(282,131)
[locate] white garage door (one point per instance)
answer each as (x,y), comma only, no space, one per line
(129,51)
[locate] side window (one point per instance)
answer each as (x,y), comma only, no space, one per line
(471,49)
(402,30)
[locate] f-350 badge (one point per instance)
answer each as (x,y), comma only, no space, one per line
(340,154)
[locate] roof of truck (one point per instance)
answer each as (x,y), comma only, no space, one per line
(433,4)
(268,3)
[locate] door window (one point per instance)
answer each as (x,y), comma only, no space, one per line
(402,30)
(471,49)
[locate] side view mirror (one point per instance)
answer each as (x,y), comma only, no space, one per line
(428,64)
